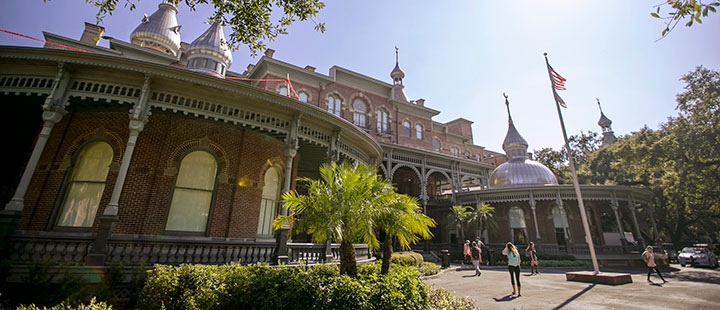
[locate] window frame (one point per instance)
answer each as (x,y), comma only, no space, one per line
(360,119)
(439,145)
(419,131)
(336,105)
(67,181)
(407,128)
(212,199)
(277,200)
(383,123)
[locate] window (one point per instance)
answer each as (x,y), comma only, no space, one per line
(455,152)
(270,198)
(334,105)
(86,185)
(436,145)
(562,228)
(419,131)
(518,231)
(193,193)
(303,96)
(407,128)
(283,90)
(467,154)
(382,121)
(360,109)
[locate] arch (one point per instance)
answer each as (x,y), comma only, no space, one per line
(202,143)
(279,88)
(360,112)
(561,224)
(417,172)
(413,186)
(86,185)
(271,189)
(384,171)
(517,225)
(193,192)
(436,189)
(334,102)
(407,128)
(308,97)
(383,120)
(99,133)
(437,145)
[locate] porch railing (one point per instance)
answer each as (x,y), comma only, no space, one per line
(71,249)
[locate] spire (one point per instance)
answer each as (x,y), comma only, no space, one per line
(159,31)
(514,144)
(209,53)
(397,74)
(604,123)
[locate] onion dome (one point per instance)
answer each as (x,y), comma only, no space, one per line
(159,31)
(397,74)
(209,53)
(604,121)
(519,170)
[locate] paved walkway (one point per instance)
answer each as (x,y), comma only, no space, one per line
(688,288)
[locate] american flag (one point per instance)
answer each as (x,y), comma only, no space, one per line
(557,81)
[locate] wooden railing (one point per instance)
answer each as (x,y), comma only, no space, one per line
(70,249)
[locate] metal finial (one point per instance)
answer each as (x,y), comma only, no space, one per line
(396,55)
(507,104)
(598,101)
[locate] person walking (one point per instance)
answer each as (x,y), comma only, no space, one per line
(476,253)
(532,254)
(649,258)
(513,259)
(467,253)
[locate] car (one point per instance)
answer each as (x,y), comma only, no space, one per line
(697,256)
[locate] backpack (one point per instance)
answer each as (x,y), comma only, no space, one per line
(475,253)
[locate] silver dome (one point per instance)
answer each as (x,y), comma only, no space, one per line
(159,31)
(521,172)
(604,121)
(212,42)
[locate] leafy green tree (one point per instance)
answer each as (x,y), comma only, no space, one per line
(250,20)
(400,216)
(681,9)
(581,145)
(484,216)
(461,216)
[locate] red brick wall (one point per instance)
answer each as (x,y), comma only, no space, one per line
(145,200)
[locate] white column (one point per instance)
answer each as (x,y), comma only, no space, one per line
(532,206)
(135,128)
(638,236)
(17,202)
(614,205)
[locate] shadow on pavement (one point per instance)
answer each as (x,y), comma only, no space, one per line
(696,276)
(573,297)
(507,297)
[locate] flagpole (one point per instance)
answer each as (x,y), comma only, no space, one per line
(581,204)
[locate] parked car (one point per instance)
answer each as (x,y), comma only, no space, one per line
(697,256)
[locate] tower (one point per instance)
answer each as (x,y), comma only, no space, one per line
(604,123)
(397,75)
(159,31)
(209,53)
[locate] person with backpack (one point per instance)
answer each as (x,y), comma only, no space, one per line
(475,253)
(513,265)
(649,258)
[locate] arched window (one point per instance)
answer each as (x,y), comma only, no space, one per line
(193,193)
(334,105)
(270,198)
(283,90)
(407,128)
(455,152)
(419,131)
(303,96)
(562,228)
(86,185)
(467,155)
(382,121)
(518,230)
(436,145)
(360,109)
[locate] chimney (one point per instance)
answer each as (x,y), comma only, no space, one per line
(269,52)
(420,102)
(310,68)
(91,33)
(250,68)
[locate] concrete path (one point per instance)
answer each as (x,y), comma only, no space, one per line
(688,288)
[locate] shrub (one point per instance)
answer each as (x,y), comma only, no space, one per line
(442,299)
(93,305)
(406,259)
(428,269)
(182,287)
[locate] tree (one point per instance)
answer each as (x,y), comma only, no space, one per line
(485,218)
(681,9)
(250,20)
(400,216)
(461,216)
(341,206)
(581,145)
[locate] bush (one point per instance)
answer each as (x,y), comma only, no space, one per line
(259,286)
(407,259)
(442,299)
(93,305)
(428,269)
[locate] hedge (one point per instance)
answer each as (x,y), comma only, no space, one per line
(236,286)
(407,259)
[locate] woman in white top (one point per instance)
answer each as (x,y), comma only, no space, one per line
(649,257)
(513,265)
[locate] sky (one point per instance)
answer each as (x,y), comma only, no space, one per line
(461,56)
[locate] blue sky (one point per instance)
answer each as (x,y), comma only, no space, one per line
(460,56)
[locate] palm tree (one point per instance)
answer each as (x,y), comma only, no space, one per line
(485,218)
(461,216)
(341,206)
(400,216)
